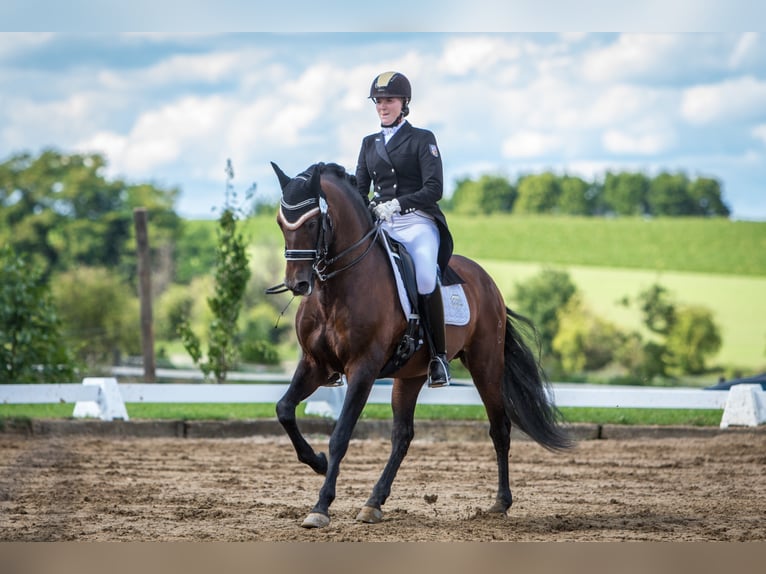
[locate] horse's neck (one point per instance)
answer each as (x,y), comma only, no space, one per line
(349,228)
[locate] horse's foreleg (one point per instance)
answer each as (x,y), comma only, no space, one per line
(305,381)
(359,386)
(403,399)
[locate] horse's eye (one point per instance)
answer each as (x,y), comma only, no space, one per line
(312,224)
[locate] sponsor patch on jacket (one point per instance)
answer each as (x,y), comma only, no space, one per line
(434,150)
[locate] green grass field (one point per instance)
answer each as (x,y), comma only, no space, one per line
(716,246)
(191,412)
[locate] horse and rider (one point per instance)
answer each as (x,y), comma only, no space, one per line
(348,325)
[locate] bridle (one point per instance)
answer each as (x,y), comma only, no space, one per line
(320,255)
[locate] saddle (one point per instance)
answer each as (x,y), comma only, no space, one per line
(413,336)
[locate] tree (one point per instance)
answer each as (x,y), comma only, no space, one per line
(99,313)
(584,341)
(705,194)
(488,194)
(540,298)
(658,309)
(32,347)
(62,211)
(626,193)
(194,256)
(538,194)
(231,277)
(689,333)
(574,198)
(693,338)
(669,195)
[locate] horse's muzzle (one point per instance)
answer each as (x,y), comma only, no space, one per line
(300,288)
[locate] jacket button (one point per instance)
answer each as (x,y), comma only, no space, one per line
(392,170)
(394,186)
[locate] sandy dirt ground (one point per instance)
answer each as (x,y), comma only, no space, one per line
(254,489)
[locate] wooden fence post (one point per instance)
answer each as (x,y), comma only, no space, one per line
(145,293)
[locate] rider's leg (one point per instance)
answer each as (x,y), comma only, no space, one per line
(438,367)
(421,237)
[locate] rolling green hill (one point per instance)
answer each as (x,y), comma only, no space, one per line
(713,262)
(684,244)
(699,245)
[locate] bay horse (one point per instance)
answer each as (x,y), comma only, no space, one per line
(349,322)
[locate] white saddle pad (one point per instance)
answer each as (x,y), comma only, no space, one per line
(456,310)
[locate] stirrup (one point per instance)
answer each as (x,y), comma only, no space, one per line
(335,380)
(439,367)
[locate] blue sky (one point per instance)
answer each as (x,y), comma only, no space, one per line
(171,107)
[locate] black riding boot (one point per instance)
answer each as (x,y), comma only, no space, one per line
(438,367)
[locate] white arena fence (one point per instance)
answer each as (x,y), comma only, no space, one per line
(105,398)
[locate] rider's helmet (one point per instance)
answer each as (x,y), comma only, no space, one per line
(392,85)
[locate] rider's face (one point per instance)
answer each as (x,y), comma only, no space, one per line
(388,109)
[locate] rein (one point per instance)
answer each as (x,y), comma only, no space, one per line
(321,263)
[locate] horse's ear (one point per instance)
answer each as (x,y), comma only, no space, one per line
(314,184)
(284,179)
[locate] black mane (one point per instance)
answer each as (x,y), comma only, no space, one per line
(347,183)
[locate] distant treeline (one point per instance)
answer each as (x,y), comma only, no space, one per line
(624,193)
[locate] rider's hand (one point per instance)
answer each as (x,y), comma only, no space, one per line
(386,210)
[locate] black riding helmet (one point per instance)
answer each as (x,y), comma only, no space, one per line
(392,85)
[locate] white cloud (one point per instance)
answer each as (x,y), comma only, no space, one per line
(179,131)
(110,144)
(643,143)
(746,47)
(476,53)
(531,144)
(12,43)
(731,100)
(622,103)
(759,132)
(633,55)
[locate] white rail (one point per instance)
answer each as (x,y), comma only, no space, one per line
(104,398)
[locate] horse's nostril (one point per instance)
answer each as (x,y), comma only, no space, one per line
(301,288)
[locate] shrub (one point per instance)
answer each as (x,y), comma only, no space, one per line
(584,342)
(100,314)
(32,347)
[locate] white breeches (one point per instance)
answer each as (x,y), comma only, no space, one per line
(420,236)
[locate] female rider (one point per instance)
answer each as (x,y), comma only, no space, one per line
(404,166)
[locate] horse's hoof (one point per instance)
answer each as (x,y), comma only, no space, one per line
(370,515)
(320,466)
(316,520)
(498,509)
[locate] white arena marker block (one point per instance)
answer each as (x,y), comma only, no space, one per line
(745,406)
(109,406)
(327,402)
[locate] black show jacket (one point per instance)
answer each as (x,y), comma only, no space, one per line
(408,168)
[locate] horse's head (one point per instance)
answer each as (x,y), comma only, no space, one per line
(303,219)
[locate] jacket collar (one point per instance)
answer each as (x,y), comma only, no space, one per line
(401,135)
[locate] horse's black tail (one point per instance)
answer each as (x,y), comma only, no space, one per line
(526,390)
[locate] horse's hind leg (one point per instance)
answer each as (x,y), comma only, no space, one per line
(487,372)
(305,381)
(403,399)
